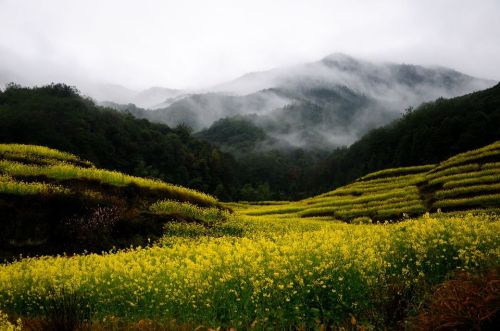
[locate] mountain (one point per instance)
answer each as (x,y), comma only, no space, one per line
(15,68)
(328,103)
(264,167)
(154,96)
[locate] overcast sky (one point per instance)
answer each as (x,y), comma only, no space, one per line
(188,43)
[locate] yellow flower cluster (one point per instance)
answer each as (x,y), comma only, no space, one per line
(10,185)
(31,152)
(6,325)
(280,273)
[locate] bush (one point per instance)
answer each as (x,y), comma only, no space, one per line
(66,310)
(469,302)
(92,229)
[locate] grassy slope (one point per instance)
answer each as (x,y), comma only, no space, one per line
(50,199)
(467,180)
(41,164)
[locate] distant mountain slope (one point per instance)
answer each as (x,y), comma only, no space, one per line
(56,116)
(374,79)
(327,103)
(236,135)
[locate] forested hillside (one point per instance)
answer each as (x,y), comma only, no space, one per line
(428,134)
(323,104)
(58,117)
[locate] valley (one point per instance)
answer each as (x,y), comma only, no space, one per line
(113,220)
(345,257)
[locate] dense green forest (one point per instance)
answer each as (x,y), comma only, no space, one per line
(249,167)
(237,135)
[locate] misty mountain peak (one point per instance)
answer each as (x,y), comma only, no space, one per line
(332,101)
(341,60)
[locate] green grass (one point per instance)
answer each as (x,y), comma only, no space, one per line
(487,200)
(31,166)
(375,210)
(359,188)
(273,211)
(453,170)
(474,156)
(403,193)
(190,212)
(469,180)
(464,175)
(395,172)
(469,190)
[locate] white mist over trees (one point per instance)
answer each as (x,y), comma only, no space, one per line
(323,104)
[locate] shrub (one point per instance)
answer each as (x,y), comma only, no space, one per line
(469,302)
(66,310)
(92,229)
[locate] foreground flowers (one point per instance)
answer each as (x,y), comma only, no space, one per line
(280,273)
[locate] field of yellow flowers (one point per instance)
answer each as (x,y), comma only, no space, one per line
(277,273)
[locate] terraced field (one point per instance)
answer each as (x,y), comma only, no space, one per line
(22,165)
(468,180)
(51,201)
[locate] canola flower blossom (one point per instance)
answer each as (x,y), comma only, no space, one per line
(280,274)
(6,325)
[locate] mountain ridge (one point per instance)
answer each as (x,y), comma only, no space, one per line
(353,95)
